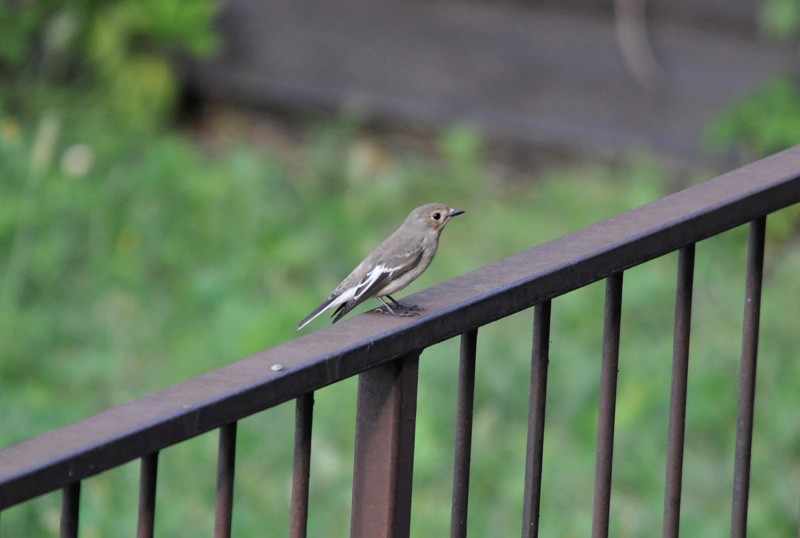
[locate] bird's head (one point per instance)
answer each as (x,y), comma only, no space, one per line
(432,216)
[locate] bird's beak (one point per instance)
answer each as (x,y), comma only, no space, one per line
(457,212)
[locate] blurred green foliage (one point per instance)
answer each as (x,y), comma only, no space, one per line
(129,263)
(141,270)
(114,56)
(780,19)
(763,123)
(767,121)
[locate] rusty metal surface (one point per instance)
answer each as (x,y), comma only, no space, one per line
(384,452)
(608,404)
(282,373)
(463,445)
(747,378)
(540,358)
(147,496)
(677,399)
(301,469)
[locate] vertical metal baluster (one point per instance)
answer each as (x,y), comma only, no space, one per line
(147,495)
(540,358)
(747,378)
(463,447)
(384,452)
(226,459)
(608,401)
(677,399)
(70,506)
(304,414)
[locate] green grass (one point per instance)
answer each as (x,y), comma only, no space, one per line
(164,261)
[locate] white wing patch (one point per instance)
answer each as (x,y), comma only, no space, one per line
(379,272)
(344,297)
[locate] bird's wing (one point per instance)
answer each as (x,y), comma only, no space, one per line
(378,277)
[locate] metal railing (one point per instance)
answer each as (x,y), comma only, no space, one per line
(384,353)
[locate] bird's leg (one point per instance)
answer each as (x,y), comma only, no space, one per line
(398,304)
(392,312)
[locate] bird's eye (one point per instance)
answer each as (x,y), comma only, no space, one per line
(437,216)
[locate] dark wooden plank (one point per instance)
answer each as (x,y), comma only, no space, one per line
(529,74)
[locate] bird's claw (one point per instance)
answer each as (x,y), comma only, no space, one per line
(413,307)
(403,314)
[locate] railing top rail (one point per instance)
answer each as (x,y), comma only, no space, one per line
(284,372)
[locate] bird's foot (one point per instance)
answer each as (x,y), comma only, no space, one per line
(409,308)
(399,313)
(398,304)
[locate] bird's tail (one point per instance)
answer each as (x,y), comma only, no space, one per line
(330,302)
(317,311)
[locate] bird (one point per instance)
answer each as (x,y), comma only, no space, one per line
(392,266)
